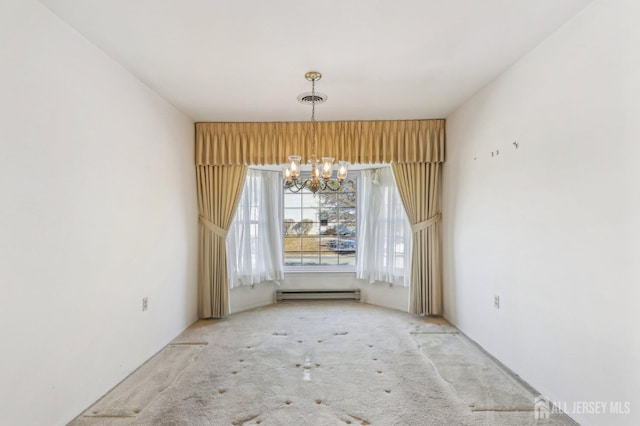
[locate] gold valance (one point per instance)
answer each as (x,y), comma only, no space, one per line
(359,142)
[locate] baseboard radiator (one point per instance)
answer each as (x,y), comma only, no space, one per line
(309,295)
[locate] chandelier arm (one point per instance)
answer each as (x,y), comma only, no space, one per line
(333,185)
(295,186)
(314,186)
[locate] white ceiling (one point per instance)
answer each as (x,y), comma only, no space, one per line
(244,60)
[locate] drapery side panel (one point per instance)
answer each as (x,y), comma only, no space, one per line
(219,189)
(363,142)
(419,187)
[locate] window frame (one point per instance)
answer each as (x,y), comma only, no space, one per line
(288,269)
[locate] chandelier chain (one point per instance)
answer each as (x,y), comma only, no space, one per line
(313,117)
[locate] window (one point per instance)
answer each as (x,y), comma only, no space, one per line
(385,235)
(254,247)
(320,229)
(322,232)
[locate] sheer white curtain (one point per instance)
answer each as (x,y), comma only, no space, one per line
(254,241)
(385,239)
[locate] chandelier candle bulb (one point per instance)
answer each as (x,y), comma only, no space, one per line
(327,167)
(295,166)
(287,175)
(342,170)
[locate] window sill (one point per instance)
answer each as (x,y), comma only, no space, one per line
(319,269)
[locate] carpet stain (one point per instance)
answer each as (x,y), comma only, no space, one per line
(279,333)
(244,420)
(221,391)
(341,333)
(362,421)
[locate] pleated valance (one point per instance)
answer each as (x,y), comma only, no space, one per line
(359,142)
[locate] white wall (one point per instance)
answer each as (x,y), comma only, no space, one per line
(97,210)
(380,294)
(553,227)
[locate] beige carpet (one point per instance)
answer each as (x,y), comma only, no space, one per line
(480,382)
(325,363)
(140,388)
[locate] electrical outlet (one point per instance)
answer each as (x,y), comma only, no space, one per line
(145,303)
(496,301)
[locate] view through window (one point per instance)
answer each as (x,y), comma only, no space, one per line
(320,229)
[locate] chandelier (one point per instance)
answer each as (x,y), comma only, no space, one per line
(321,171)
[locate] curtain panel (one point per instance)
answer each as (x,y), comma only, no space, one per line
(363,142)
(385,237)
(419,187)
(254,241)
(219,189)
